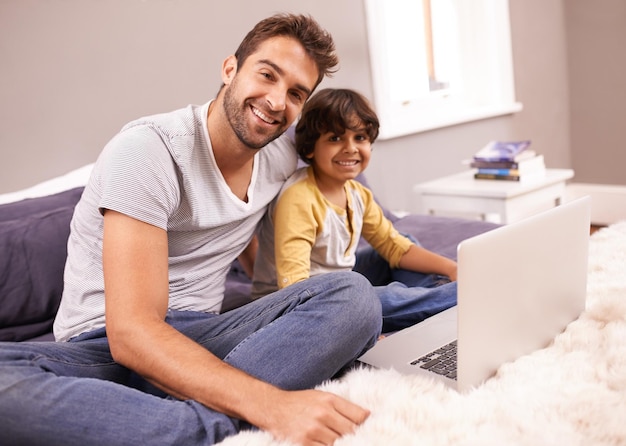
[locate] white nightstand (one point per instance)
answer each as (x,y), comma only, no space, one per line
(493,200)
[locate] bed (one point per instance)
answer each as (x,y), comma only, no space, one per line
(572,392)
(34,227)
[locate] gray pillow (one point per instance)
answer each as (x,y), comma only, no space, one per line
(33,243)
(31,206)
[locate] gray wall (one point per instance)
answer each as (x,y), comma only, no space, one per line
(74,71)
(596,38)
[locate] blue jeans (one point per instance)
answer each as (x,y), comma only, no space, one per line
(73,393)
(406,297)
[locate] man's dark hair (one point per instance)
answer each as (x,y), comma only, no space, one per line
(333,110)
(317,42)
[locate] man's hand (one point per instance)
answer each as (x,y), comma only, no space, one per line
(312,417)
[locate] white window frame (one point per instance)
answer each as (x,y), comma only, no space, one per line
(485,68)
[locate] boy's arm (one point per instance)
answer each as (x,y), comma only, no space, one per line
(398,250)
(422,260)
(137,292)
(295,229)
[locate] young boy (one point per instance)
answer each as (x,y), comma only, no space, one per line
(315,224)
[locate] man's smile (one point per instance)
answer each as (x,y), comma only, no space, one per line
(263,116)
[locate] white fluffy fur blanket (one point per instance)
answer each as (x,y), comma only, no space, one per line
(570,393)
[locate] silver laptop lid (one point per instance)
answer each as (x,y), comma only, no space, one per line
(519,286)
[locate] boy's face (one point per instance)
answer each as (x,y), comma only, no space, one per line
(339,158)
(265,95)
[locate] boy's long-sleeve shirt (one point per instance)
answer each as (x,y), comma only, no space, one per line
(303,234)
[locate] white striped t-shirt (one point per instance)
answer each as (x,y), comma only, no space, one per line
(161,170)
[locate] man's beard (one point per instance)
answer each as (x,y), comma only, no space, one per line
(236,116)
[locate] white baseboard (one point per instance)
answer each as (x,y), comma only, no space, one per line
(608,201)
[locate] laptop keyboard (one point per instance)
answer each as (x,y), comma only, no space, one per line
(441,361)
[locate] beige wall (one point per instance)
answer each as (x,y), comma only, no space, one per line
(596,37)
(73,72)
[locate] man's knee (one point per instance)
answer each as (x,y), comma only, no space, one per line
(360,299)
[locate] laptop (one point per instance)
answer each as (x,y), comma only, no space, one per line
(519,285)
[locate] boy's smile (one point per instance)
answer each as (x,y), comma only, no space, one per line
(339,158)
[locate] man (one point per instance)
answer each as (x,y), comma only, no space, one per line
(172,201)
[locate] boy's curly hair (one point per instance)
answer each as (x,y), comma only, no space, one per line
(333,110)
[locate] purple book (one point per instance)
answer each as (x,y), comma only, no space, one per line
(498,151)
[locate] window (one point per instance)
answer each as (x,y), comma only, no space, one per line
(437,63)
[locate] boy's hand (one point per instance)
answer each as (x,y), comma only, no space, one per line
(452,273)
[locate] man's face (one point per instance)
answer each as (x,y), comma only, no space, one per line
(267,92)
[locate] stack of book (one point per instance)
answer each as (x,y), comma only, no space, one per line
(510,161)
